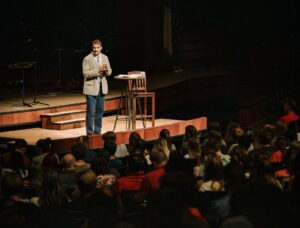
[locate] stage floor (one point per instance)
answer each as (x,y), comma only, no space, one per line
(47,101)
(10,97)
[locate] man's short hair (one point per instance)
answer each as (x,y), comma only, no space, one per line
(97,42)
(68,161)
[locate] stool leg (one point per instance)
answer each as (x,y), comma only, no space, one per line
(134,113)
(118,110)
(153,110)
(145,110)
(140,110)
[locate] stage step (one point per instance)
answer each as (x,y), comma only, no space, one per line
(64,120)
(69,124)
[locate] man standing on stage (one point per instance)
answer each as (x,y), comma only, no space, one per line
(95,68)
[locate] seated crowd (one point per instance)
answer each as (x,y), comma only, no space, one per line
(208,179)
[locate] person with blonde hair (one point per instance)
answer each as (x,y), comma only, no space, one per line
(161,144)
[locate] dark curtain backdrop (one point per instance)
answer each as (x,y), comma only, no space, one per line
(260,36)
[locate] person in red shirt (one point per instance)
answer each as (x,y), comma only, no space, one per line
(150,182)
(132,181)
(289,107)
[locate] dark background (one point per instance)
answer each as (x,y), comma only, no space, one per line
(259,37)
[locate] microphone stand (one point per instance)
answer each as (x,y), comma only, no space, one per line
(22,66)
(35,99)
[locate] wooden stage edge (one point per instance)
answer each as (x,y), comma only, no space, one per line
(63,145)
(152,133)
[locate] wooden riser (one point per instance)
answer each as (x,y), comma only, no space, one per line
(67,126)
(67,117)
(63,120)
(48,121)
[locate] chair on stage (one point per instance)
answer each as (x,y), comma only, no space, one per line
(138,89)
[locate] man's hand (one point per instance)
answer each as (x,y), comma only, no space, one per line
(103,68)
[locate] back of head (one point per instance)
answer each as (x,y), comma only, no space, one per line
(158,156)
(134,136)
(231,126)
(195,147)
(31,151)
(190,132)
(192,148)
(263,136)
(239,154)
(83,139)
(214,169)
(161,143)
(212,146)
(290,103)
(244,141)
(79,150)
(215,135)
(110,147)
(214,126)
(165,134)
(109,136)
(262,166)
(43,146)
(176,162)
(16,161)
(136,162)
(100,165)
(136,142)
(20,144)
(86,181)
(51,162)
(69,161)
(11,184)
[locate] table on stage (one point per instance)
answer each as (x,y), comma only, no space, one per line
(130,104)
